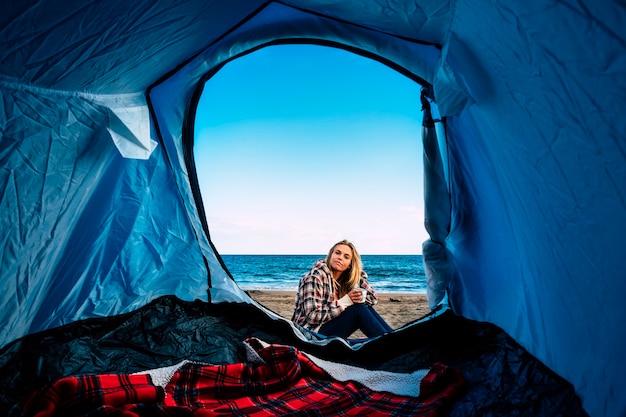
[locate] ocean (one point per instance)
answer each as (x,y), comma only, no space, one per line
(387,273)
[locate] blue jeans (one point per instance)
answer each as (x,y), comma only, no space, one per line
(356,317)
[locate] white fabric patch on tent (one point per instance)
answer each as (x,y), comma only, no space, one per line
(130,131)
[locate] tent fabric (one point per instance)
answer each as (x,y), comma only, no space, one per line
(438,265)
(101,212)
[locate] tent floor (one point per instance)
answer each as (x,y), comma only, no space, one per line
(503,379)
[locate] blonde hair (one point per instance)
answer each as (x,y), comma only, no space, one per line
(351,277)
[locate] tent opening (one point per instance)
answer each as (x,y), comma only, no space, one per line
(300,146)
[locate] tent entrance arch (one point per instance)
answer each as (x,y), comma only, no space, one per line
(184,88)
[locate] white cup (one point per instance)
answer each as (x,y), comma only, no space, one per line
(363,293)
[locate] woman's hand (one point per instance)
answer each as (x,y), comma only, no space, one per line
(357,295)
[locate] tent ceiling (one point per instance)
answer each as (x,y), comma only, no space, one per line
(62,45)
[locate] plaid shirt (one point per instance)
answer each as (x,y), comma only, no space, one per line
(315,300)
(287,383)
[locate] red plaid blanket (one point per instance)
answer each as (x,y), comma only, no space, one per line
(287,384)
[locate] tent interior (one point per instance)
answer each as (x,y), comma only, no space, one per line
(106,248)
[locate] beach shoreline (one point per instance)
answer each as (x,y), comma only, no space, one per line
(397,309)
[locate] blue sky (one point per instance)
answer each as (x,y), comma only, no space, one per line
(299,146)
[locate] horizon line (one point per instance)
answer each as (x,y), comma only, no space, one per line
(319,254)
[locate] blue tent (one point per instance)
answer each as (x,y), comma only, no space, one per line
(526,194)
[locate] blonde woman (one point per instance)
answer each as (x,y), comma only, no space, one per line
(335,299)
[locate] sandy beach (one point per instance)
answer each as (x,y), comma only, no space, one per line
(397,309)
